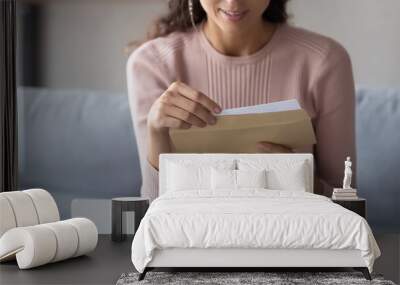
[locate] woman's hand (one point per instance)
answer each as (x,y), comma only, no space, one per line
(273,148)
(180,106)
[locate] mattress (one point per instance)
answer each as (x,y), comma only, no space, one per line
(250,218)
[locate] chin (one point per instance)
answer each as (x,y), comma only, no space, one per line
(227,25)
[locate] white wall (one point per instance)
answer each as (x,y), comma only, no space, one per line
(83,41)
(369,29)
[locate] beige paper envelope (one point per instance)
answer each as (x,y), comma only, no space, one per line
(240,133)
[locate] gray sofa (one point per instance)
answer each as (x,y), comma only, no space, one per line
(80,146)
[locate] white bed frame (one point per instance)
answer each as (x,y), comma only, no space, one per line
(250,257)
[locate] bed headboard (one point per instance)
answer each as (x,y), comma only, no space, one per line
(209,157)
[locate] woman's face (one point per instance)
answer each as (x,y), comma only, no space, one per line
(235,15)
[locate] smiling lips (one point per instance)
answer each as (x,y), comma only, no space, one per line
(233,15)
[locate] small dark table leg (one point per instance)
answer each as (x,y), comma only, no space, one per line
(116,221)
(364,271)
(143,274)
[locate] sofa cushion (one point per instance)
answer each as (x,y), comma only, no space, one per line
(77,142)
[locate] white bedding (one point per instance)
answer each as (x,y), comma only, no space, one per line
(251,218)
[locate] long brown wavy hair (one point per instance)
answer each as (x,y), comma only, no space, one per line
(178,19)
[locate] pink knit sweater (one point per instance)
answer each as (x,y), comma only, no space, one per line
(296,63)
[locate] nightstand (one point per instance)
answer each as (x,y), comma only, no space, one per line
(122,204)
(358,205)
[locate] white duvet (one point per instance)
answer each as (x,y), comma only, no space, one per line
(252,218)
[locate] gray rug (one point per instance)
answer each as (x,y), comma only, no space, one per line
(244,278)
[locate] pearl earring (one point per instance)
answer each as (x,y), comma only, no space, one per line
(190,5)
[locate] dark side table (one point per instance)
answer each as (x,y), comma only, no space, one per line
(138,205)
(358,205)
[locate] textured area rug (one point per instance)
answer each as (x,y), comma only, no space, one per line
(244,278)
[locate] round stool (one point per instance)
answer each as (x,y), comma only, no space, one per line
(138,205)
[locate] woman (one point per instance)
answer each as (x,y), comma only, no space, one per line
(207,55)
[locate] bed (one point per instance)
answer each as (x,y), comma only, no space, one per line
(247,210)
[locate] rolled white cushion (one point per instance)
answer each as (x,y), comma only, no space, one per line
(45,243)
(7,218)
(23,208)
(87,233)
(45,205)
(67,240)
(33,245)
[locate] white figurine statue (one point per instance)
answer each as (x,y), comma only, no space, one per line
(347,174)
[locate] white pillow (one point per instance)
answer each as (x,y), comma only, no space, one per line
(184,175)
(227,179)
(293,179)
(281,174)
(251,178)
(223,179)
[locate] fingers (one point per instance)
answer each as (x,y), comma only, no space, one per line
(175,123)
(195,96)
(172,111)
(180,106)
(173,98)
(273,148)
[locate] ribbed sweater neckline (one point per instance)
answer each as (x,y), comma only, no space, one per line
(227,59)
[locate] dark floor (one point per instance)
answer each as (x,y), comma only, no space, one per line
(102,266)
(110,259)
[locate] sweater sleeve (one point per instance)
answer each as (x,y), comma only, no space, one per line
(146,82)
(333,91)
